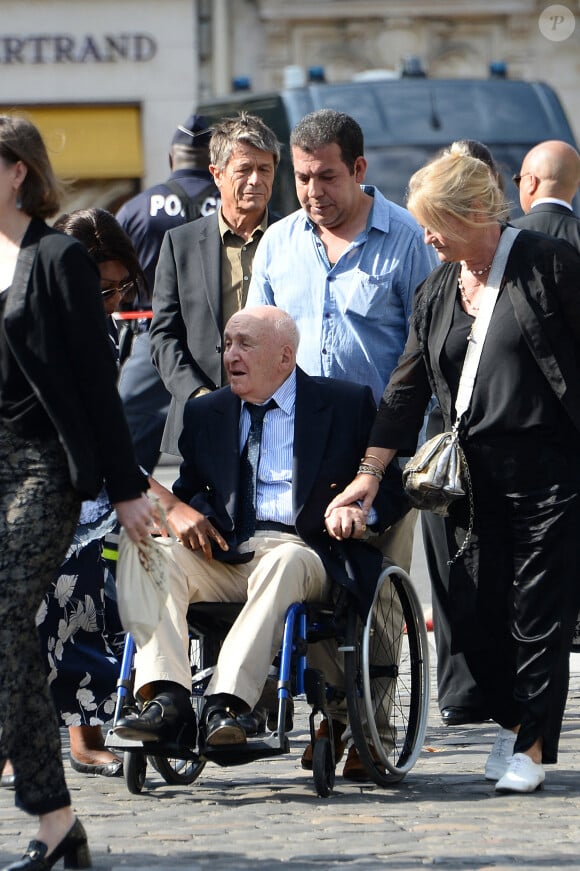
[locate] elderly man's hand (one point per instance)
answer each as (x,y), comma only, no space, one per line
(346,522)
(193,529)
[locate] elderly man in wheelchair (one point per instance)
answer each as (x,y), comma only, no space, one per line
(262,458)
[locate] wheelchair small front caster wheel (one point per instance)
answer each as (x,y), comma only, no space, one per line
(134,770)
(177,771)
(323,767)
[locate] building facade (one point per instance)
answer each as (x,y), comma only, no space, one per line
(108,82)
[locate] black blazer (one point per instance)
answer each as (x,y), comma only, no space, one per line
(187,331)
(55,324)
(332,423)
(542,278)
(554,220)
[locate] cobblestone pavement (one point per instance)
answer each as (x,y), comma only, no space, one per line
(266,815)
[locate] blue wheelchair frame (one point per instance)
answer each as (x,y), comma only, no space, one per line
(365,679)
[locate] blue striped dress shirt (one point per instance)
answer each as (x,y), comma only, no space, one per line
(274,485)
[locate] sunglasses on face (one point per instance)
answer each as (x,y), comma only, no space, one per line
(122,288)
(518,177)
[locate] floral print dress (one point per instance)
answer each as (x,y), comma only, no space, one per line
(78,624)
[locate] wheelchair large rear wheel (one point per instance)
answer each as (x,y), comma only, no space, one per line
(387,679)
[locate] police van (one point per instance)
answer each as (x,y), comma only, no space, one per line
(407,120)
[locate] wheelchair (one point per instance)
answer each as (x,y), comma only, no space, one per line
(386,688)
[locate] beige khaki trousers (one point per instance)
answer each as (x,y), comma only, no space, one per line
(283,571)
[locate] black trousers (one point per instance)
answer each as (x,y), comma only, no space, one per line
(456,686)
(39,511)
(515,596)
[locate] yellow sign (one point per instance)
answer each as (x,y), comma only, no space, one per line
(89,142)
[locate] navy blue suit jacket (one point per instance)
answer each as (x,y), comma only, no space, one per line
(332,424)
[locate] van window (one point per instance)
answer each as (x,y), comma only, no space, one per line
(391,168)
(407,121)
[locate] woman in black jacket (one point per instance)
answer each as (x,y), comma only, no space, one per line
(514,593)
(62,435)
(77,621)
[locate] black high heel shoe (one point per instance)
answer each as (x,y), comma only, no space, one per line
(74,848)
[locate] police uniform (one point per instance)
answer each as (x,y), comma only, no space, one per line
(147,217)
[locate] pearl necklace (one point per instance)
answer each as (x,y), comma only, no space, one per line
(476,271)
(465,299)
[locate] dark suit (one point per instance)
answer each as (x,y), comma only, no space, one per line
(331,425)
(333,420)
(59,337)
(146,218)
(187,329)
(554,220)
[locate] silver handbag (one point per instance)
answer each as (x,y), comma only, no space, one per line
(436,476)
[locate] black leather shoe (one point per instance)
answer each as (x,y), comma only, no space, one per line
(253,723)
(222,728)
(164,718)
(456,716)
(105,769)
(73,847)
(7,781)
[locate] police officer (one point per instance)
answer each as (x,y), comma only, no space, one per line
(188,193)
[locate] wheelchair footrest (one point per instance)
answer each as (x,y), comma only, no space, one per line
(151,748)
(241,754)
(115,742)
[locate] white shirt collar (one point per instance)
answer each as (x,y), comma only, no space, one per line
(554,200)
(285,395)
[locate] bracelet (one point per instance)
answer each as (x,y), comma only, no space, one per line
(373,457)
(367,469)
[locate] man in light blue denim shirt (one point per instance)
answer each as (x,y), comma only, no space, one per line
(346,264)
(345,267)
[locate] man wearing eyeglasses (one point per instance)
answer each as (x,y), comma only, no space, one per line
(547,183)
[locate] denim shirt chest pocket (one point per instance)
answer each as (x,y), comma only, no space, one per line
(368,296)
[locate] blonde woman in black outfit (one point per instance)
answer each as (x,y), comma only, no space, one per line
(62,434)
(460,699)
(514,593)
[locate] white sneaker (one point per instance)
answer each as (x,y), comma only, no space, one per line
(523,775)
(501,753)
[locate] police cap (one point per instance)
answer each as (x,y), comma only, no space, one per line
(193,133)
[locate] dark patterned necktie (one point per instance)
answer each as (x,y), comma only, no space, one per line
(246,519)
